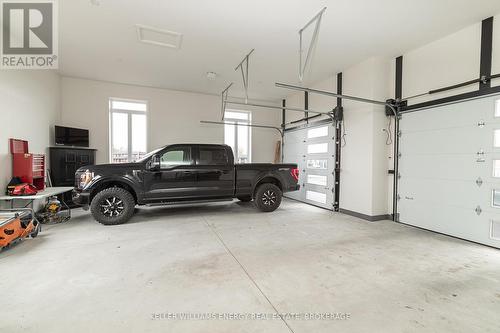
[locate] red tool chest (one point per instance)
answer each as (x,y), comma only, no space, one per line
(30,168)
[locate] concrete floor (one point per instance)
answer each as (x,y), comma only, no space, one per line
(228,258)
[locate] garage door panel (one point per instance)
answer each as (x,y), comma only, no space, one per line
(458,167)
(451,141)
(449,169)
(452,167)
(449,116)
(450,220)
(313,148)
(446,192)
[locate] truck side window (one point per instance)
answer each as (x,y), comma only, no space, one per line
(176,157)
(213,156)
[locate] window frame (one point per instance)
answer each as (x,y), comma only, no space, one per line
(129,114)
(173,148)
(235,122)
(198,156)
(496,108)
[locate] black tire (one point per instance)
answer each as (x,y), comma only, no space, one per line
(112,206)
(268,197)
(245,199)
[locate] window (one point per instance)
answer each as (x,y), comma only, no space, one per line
(238,137)
(317,164)
(497,108)
(495,198)
(495,230)
(317,180)
(176,157)
(316,196)
(496,168)
(317,132)
(317,148)
(213,156)
(496,139)
(128,130)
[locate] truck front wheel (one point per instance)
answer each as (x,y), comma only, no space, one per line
(268,197)
(112,206)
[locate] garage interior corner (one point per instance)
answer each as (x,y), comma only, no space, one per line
(250,166)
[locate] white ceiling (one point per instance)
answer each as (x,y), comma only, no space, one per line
(100,42)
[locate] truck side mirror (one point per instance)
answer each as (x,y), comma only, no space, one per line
(154,163)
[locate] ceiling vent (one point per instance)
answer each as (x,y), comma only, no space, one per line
(160,37)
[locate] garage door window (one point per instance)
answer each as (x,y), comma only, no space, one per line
(495,230)
(317,132)
(316,180)
(497,108)
(496,168)
(317,164)
(496,139)
(495,198)
(321,148)
(316,196)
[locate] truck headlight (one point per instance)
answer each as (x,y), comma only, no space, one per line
(86,178)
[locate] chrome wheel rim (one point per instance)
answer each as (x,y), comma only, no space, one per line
(269,198)
(112,207)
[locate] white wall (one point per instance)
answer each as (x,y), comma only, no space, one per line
(174,116)
(448,61)
(316,102)
(364,166)
(364,163)
(30,106)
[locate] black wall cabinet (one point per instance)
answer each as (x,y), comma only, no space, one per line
(64,161)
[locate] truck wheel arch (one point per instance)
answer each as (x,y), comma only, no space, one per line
(112,183)
(266,180)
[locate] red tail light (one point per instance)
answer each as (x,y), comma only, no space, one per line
(295,174)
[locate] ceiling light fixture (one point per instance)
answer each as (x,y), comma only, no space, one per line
(211,76)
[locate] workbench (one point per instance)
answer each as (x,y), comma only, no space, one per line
(30,199)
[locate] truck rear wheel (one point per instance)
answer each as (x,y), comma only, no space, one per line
(268,197)
(112,206)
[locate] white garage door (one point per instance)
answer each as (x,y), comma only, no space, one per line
(312,148)
(450,170)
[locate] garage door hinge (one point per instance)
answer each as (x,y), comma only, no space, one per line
(478,210)
(481,123)
(400,133)
(398,197)
(399,155)
(479,182)
(399,175)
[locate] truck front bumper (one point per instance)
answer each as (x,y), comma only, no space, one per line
(80,198)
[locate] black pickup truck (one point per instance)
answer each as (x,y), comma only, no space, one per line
(180,173)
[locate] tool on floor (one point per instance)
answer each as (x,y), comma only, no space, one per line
(52,212)
(16,225)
